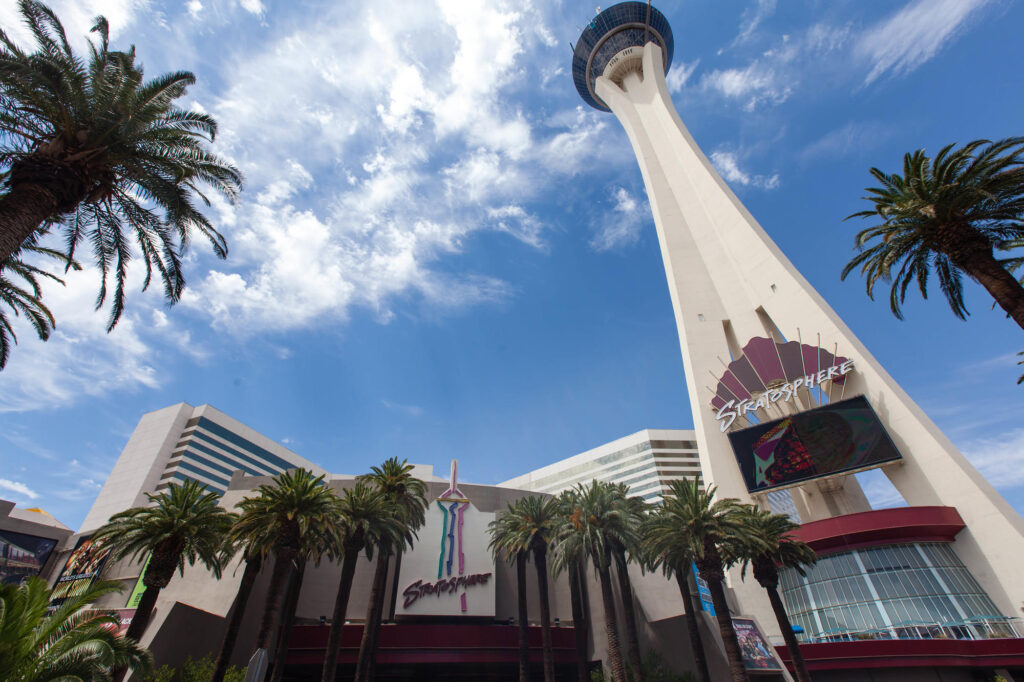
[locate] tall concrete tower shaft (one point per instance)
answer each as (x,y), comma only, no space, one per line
(730,283)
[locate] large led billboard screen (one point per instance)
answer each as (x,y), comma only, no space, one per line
(22,555)
(841,436)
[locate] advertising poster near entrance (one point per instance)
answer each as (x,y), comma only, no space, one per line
(136,596)
(757,653)
(82,567)
(703,591)
(450,571)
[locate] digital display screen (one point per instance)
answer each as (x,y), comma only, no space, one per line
(838,437)
(22,555)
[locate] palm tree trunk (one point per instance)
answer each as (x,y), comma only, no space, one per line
(729,640)
(368,644)
(348,571)
(1000,284)
(291,604)
(626,589)
(22,210)
(227,647)
(541,560)
(799,666)
(524,623)
(611,624)
(271,611)
(579,622)
(696,643)
(394,584)
(143,612)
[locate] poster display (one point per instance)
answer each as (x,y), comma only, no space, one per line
(839,437)
(136,596)
(82,567)
(22,555)
(703,591)
(757,653)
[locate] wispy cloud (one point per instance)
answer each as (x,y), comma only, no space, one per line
(19,489)
(1000,458)
(850,139)
(409,410)
(679,75)
(621,226)
(727,164)
(913,35)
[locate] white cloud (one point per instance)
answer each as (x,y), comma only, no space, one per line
(20,489)
(622,225)
(410,410)
(727,165)
(77,17)
(752,18)
(1000,458)
(913,35)
(81,358)
(253,6)
(679,74)
(194,8)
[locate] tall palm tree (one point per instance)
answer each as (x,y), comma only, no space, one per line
(519,556)
(253,558)
(181,526)
(946,214)
(68,643)
(20,291)
(92,145)
(625,547)
(365,520)
(283,519)
(662,548)
(406,496)
(691,521)
(574,565)
(528,525)
(770,546)
(597,519)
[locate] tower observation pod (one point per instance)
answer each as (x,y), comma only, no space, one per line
(787,402)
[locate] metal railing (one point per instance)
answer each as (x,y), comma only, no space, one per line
(979,627)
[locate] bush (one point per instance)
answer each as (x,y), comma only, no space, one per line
(655,670)
(195,670)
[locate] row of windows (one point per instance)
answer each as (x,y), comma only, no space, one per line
(892,588)
(183,477)
(590,465)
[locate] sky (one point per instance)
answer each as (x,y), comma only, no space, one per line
(441,252)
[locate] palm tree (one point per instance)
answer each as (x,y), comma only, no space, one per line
(183,525)
(253,557)
(597,519)
(574,566)
(621,554)
(946,215)
(406,496)
(771,546)
(91,145)
(24,295)
(528,526)
(661,548)
(283,519)
(691,522)
(69,643)
(519,556)
(364,522)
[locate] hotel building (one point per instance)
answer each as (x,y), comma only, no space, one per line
(645,461)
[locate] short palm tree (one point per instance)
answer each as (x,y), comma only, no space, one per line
(597,519)
(691,521)
(946,215)
(20,291)
(181,526)
(69,643)
(662,548)
(770,546)
(365,521)
(528,525)
(91,145)
(406,496)
(282,519)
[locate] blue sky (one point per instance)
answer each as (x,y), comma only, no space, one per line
(440,252)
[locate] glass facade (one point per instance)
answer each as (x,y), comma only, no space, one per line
(613,30)
(906,591)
